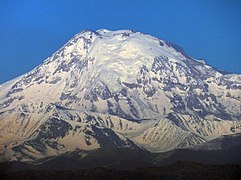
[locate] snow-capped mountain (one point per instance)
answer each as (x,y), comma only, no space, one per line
(120,89)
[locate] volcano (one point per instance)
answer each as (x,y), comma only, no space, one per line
(120,90)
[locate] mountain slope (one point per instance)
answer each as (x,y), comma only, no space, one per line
(119,89)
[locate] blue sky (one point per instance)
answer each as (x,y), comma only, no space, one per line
(31,30)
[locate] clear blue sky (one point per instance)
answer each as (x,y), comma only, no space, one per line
(31,30)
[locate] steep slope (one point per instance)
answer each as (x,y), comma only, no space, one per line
(223,142)
(119,89)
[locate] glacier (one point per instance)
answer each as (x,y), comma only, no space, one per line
(121,89)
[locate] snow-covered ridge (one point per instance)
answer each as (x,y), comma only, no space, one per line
(116,89)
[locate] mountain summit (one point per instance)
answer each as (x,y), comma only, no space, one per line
(116,89)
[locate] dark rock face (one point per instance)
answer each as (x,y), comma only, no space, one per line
(108,139)
(53,128)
